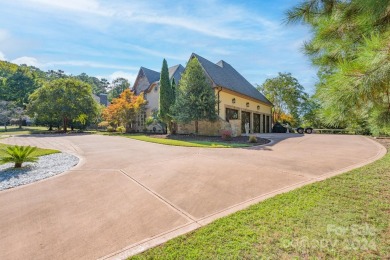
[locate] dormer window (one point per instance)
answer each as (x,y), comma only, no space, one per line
(155,89)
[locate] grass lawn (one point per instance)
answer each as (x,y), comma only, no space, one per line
(37,152)
(25,130)
(205,144)
(344,217)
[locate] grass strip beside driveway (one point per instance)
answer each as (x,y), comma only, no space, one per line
(173,142)
(344,217)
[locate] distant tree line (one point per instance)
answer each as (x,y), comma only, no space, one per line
(52,98)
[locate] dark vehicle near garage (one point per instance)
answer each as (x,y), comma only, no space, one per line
(279,128)
(301,130)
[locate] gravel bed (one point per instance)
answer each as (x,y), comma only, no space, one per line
(47,166)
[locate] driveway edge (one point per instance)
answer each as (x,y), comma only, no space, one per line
(159,239)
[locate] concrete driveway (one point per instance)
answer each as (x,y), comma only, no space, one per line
(127,195)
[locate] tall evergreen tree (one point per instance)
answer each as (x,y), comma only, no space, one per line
(350,45)
(195,97)
(174,88)
(166,98)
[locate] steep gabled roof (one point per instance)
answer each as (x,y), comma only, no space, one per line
(175,72)
(151,75)
(224,75)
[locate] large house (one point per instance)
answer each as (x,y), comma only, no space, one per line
(148,83)
(238,101)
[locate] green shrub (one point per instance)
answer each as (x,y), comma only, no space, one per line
(121,129)
(110,129)
(19,155)
(103,124)
(149,121)
(252,139)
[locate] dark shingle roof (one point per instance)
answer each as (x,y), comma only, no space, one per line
(151,75)
(224,75)
(175,72)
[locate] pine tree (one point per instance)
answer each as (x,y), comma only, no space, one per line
(166,98)
(174,89)
(350,45)
(195,97)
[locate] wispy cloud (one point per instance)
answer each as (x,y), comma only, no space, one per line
(85,6)
(3,35)
(80,63)
(30,61)
(157,53)
(2,56)
(210,18)
(120,74)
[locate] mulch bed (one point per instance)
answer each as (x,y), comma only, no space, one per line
(385,141)
(238,139)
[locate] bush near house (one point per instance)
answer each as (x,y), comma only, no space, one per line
(252,139)
(226,135)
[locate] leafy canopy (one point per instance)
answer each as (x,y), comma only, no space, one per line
(117,86)
(287,95)
(67,100)
(124,109)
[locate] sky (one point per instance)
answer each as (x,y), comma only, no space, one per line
(115,38)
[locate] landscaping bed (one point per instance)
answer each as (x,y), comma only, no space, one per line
(237,140)
(47,166)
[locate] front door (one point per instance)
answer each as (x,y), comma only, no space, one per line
(256,123)
(245,118)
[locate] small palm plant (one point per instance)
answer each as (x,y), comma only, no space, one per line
(19,155)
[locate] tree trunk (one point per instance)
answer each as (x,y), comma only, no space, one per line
(18,165)
(65,124)
(50,128)
(170,127)
(196,126)
(5,127)
(20,123)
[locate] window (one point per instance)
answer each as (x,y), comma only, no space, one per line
(231,114)
(155,89)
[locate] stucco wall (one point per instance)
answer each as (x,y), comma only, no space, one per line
(153,98)
(141,83)
(240,104)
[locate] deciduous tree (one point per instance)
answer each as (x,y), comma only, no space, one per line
(287,95)
(124,109)
(65,100)
(19,86)
(117,86)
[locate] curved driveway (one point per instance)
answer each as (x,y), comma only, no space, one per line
(126,195)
